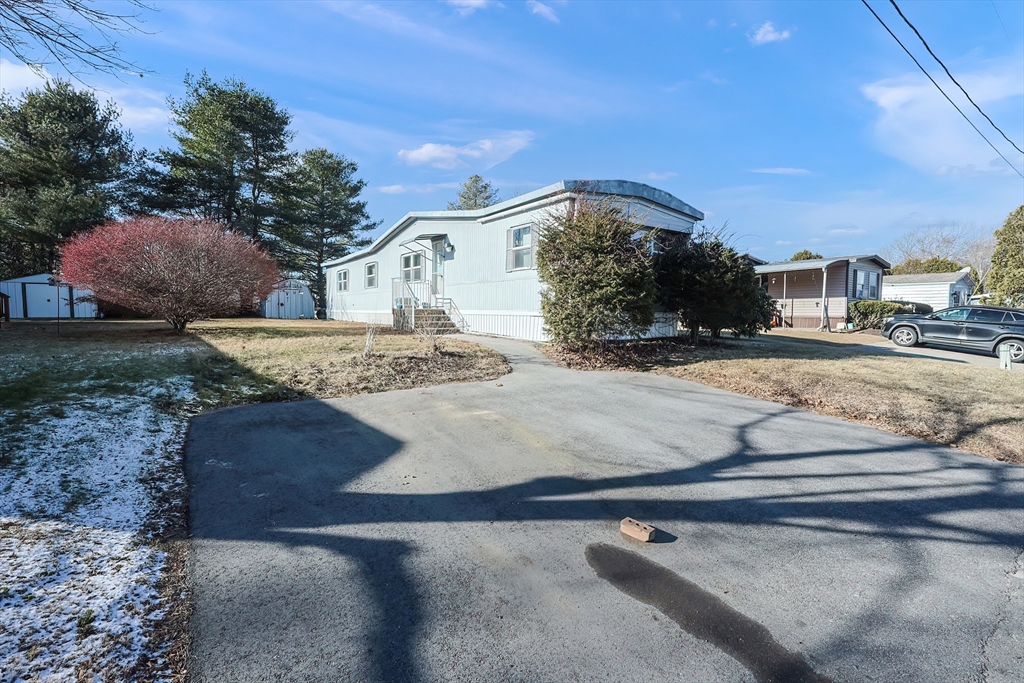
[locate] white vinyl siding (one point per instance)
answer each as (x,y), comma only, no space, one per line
(492,297)
(938,295)
(519,254)
(371,275)
(343,280)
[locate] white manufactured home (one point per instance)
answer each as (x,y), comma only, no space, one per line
(938,290)
(479,266)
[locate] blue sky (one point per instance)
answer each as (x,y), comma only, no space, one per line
(799,124)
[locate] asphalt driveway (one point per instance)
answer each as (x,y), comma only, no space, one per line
(470,533)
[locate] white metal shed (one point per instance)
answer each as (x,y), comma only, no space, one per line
(938,290)
(290,300)
(35,296)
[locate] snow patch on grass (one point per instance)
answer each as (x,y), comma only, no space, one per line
(86,485)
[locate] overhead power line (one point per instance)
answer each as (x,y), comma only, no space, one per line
(935,57)
(925,72)
(1000,18)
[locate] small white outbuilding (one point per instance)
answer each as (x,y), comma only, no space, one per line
(290,300)
(39,296)
(938,290)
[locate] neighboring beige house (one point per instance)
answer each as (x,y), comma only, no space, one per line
(815,294)
(938,290)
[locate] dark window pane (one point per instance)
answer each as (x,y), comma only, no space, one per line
(981,315)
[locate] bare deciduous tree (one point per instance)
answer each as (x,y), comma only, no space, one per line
(965,243)
(72,33)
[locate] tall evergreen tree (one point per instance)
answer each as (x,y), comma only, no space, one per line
(475,193)
(319,216)
(65,163)
(232,148)
(916,266)
(712,287)
(1006,281)
(805,255)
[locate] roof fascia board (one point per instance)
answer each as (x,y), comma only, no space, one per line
(545,196)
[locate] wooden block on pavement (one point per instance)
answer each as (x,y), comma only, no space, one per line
(638,530)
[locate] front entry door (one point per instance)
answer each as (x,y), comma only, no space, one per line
(437,267)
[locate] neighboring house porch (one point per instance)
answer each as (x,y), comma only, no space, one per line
(815,294)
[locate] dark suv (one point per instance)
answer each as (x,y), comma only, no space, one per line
(978,328)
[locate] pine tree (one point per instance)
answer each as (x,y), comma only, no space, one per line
(805,255)
(475,193)
(935,264)
(319,216)
(1006,281)
(232,148)
(65,163)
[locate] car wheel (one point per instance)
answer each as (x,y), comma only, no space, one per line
(1016,347)
(904,336)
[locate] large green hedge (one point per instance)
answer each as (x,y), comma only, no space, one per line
(872,313)
(596,264)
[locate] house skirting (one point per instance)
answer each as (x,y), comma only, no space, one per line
(808,323)
(526,325)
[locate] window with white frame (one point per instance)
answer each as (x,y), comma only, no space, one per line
(412,267)
(519,254)
(342,280)
(371,275)
(867,284)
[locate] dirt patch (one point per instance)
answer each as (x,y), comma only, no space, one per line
(971,408)
(326,359)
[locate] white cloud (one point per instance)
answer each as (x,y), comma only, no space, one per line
(141,109)
(467,7)
(712,23)
(425,188)
(919,127)
(17,78)
(783,243)
(540,9)
(486,153)
(767,33)
(710,77)
(781,170)
(317,130)
(660,176)
(847,231)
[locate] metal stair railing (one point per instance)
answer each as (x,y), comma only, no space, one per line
(453,313)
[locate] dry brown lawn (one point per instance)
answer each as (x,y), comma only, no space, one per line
(320,359)
(231,361)
(969,407)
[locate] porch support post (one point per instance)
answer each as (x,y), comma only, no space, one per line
(785,303)
(825,322)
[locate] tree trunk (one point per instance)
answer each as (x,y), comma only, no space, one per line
(321,288)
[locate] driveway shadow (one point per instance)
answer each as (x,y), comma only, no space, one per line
(278,474)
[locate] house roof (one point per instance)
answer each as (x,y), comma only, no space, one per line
(928,278)
(620,188)
(818,263)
